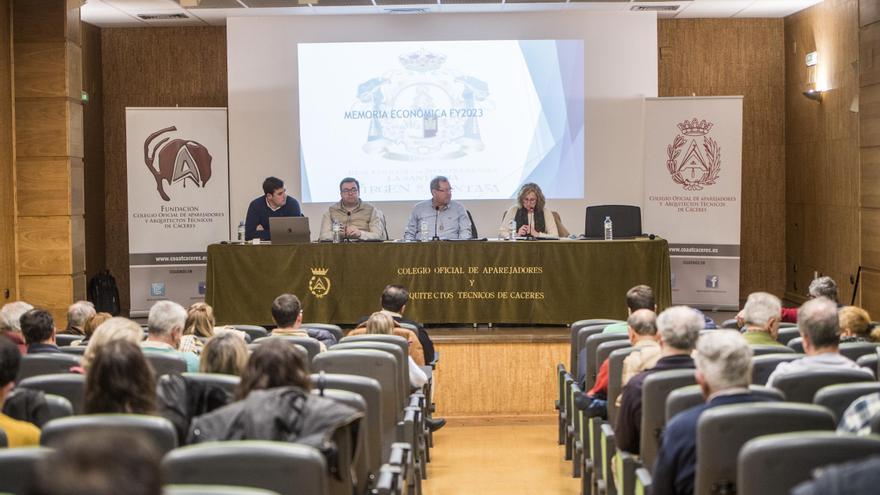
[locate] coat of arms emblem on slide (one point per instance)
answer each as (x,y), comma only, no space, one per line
(319,284)
(701,164)
(179,160)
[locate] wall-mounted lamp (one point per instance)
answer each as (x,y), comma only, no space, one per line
(814,94)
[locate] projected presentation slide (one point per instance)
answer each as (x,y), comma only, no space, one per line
(490,115)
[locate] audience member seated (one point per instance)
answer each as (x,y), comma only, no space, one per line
(381,323)
(78,314)
(760,317)
(100,463)
(287,313)
(819,328)
(679,328)
(531,217)
(90,326)
(393,302)
(165,329)
(199,327)
(855,325)
(120,380)
(858,416)
(18,433)
(851,478)
(10,322)
(225,353)
(115,328)
(819,287)
(643,336)
(274,403)
(638,297)
(38,328)
(724,371)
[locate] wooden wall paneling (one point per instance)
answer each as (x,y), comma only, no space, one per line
(51,292)
(43,127)
(869,54)
(870,176)
(8,271)
(869,12)
(45,245)
(869,114)
(869,152)
(91,187)
(46,20)
(44,186)
(40,69)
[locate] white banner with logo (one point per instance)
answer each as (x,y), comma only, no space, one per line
(693,179)
(178,200)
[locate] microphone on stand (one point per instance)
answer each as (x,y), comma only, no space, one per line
(347,223)
(436,217)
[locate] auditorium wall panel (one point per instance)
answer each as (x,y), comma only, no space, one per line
(869,152)
(93,150)
(822,149)
(740,57)
(7,160)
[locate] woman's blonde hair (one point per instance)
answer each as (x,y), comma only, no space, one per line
(116,328)
(224,353)
(199,320)
(94,322)
(380,322)
(531,187)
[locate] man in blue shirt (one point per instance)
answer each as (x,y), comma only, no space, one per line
(446,219)
(273,203)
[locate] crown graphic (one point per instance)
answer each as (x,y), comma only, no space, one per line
(320,271)
(422,60)
(695,127)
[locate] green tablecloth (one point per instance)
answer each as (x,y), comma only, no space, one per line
(539,282)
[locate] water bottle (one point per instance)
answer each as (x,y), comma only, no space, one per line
(511,236)
(241,231)
(609,229)
(423,229)
(336,228)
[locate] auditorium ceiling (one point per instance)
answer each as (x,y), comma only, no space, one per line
(124,13)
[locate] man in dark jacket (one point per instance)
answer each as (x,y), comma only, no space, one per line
(393,301)
(273,203)
(38,328)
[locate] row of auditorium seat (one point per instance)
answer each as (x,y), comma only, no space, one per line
(814,401)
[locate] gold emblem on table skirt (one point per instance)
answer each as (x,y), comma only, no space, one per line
(319,284)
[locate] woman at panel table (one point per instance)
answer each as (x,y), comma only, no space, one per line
(532,219)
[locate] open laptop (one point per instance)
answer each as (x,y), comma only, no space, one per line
(289,230)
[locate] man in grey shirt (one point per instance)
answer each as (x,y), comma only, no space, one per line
(447,218)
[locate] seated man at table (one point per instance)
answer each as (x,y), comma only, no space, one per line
(273,203)
(357,220)
(444,218)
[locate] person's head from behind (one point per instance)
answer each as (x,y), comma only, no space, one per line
(100,462)
(115,328)
(640,297)
(823,287)
(724,362)
(441,191)
(854,322)
(642,324)
(120,380)
(531,197)
(79,313)
(819,325)
(94,322)
(380,323)
(287,311)
(224,353)
(165,322)
(10,315)
(38,326)
(679,328)
(271,365)
(762,311)
(10,359)
(199,320)
(273,188)
(394,298)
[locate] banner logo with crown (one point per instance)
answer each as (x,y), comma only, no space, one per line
(701,164)
(319,284)
(423,110)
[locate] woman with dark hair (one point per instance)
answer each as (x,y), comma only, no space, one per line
(531,217)
(120,380)
(272,366)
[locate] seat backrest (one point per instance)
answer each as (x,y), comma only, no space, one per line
(688,397)
(797,344)
(615,378)
(65,339)
(213,490)
(474,234)
(4,442)
(59,407)
(165,363)
(655,389)
(254,331)
(336,330)
(593,342)
(786,335)
(731,426)
(870,362)
(17,467)
(760,350)
(777,463)
(75,350)
(285,468)
(763,366)
(358,449)
(839,397)
(225,382)
(801,386)
(403,385)
(388,339)
(579,340)
(45,364)
(68,385)
(563,232)
(159,430)
(312,346)
(380,427)
(371,363)
(627,220)
(855,350)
